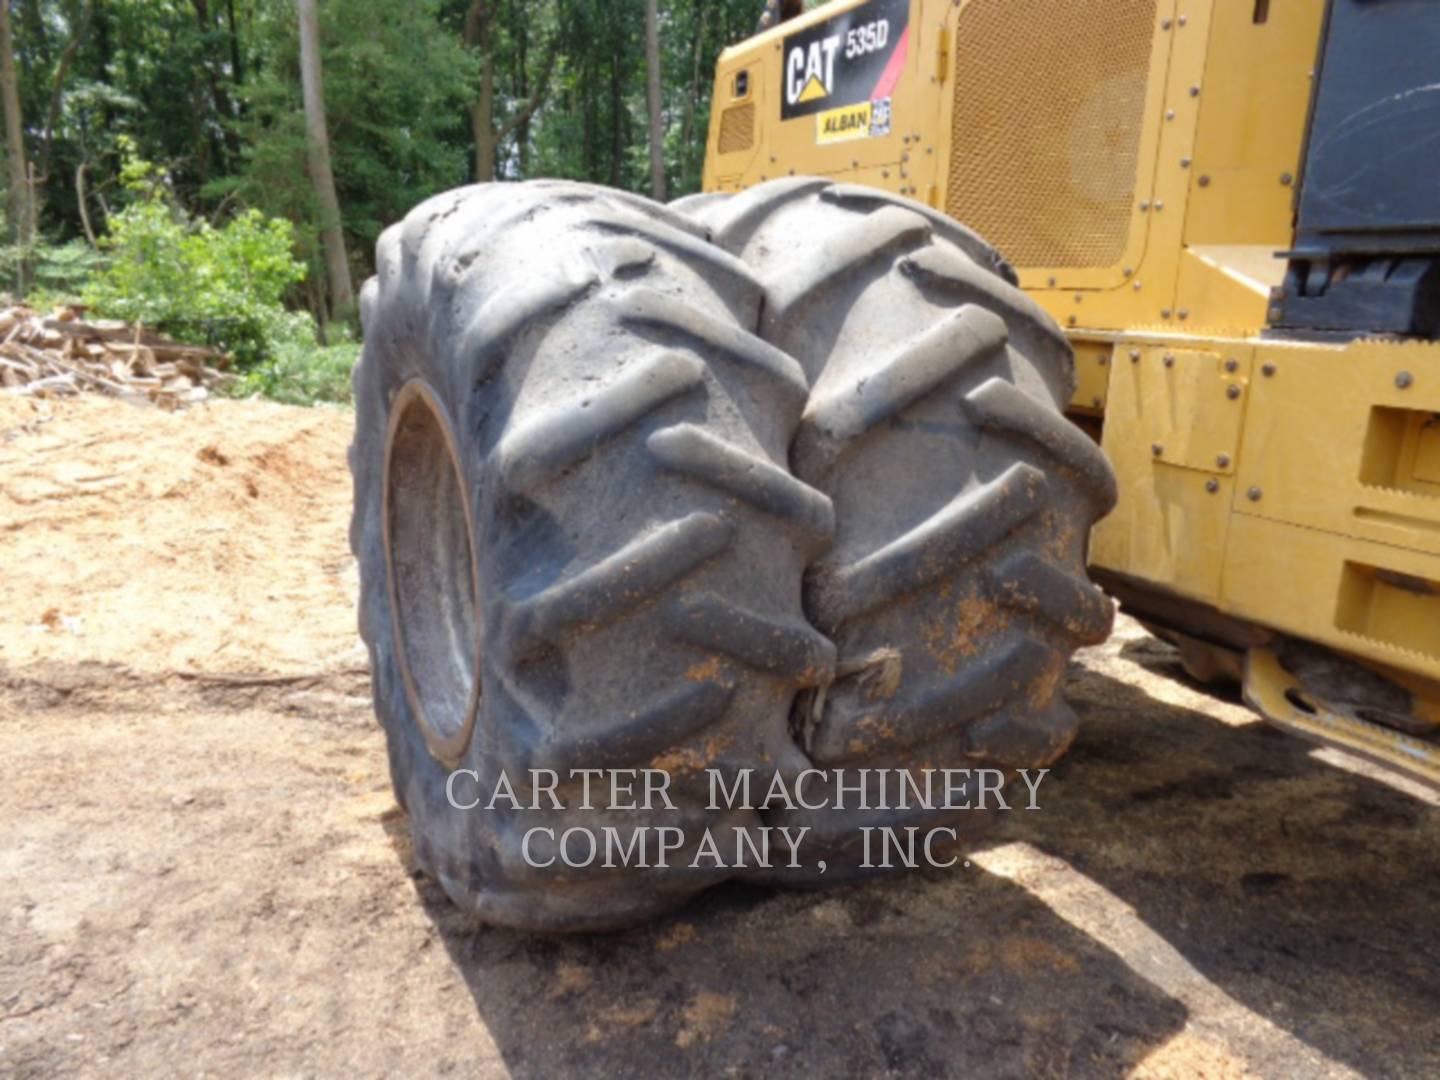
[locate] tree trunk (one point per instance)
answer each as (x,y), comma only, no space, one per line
(317,144)
(476,34)
(482,111)
(206,149)
(19,206)
(32,27)
(227,142)
(104,53)
(84,209)
(522,90)
(657,119)
(237,63)
(57,85)
(617,102)
(522,116)
(589,154)
(482,123)
(687,150)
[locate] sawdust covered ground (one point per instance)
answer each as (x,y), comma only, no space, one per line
(203,870)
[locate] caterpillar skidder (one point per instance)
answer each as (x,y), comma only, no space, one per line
(801,475)
(1232,208)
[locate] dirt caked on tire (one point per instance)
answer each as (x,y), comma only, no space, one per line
(955,590)
(580,546)
(773,482)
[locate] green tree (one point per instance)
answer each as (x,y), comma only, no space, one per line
(420,96)
(490,35)
(396,86)
(222,286)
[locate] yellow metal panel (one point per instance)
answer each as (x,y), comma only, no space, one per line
(1426,467)
(1139,293)
(1254,99)
(1224,289)
(1005,116)
(1057,286)
(1276,694)
(1239,211)
(1384,605)
(1189,405)
(1329,528)
(1325,440)
(1166,427)
(1295,580)
(1056,190)
(728,156)
(1092,375)
(905,162)
(1300,489)
(1167,529)
(1228,144)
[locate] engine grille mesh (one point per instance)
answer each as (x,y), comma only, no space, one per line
(737,128)
(1049,102)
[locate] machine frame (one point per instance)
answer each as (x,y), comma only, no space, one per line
(1277,485)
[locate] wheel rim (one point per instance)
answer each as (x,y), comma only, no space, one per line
(431,571)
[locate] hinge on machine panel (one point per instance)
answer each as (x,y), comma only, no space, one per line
(942,55)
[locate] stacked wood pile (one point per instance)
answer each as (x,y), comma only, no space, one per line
(63,353)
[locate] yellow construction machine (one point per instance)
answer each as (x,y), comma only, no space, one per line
(1232,208)
(777,481)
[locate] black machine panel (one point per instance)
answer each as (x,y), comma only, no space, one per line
(1367,245)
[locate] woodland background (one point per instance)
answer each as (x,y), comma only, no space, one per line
(164,137)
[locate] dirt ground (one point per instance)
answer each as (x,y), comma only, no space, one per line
(203,870)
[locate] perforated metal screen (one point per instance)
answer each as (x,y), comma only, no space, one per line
(1049,102)
(737,128)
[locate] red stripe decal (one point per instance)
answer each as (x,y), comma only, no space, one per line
(891,75)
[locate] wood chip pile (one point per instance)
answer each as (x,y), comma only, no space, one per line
(63,353)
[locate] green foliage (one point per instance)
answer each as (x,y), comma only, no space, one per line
(57,271)
(222,286)
(209,91)
(396,84)
(594,124)
(301,373)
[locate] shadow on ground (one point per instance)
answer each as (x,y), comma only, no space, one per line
(1305,892)
(955,973)
(1298,896)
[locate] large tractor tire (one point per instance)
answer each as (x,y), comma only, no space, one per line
(955,590)
(580,543)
